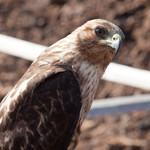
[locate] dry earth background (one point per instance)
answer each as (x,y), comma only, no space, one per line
(46,21)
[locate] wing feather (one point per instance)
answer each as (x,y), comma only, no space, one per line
(45,116)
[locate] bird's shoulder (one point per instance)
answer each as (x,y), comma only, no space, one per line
(50,101)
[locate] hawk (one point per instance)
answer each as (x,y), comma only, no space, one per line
(46,108)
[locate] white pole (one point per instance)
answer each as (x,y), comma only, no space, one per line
(115,72)
(128,75)
(20,48)
(119,105)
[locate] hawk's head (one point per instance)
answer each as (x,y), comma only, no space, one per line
(99,40)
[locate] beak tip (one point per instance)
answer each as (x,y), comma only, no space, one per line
(118,47)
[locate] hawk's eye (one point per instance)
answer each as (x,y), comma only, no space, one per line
(100,32)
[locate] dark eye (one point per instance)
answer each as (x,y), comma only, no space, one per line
(100,32)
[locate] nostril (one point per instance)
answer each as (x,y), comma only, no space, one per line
(114,38)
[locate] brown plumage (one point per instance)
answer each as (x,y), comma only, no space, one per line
(46,108)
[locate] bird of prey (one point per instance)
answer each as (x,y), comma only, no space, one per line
(46,108)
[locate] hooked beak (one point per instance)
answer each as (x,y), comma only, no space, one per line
(115,42)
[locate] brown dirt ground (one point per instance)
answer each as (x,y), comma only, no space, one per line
(47,21)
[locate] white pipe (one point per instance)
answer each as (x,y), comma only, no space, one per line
(20,48)
(115,72)
(117,101)
(128,75)
(119,105)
